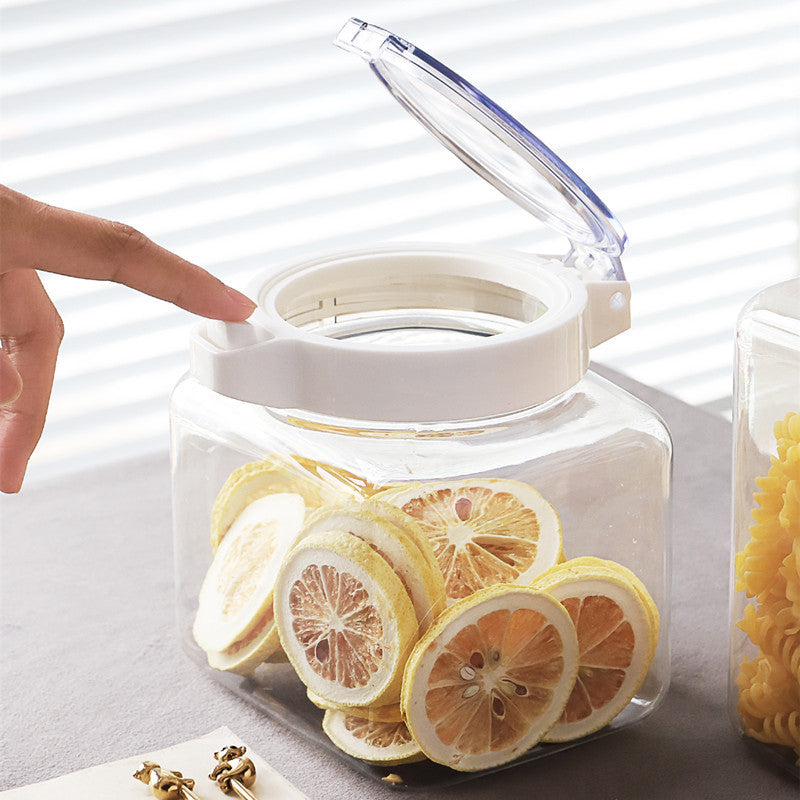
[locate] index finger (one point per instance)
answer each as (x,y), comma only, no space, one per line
(34,235)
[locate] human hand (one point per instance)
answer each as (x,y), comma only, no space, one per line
(37,236)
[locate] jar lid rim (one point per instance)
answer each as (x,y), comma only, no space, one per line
(286,358)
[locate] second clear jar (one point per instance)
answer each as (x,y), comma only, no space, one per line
(764,686)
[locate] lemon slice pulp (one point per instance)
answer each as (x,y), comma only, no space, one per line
(616,644)
(483,531)
(420,576)
(345,621)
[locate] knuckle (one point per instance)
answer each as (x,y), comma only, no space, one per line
(10,200)
(46,335)
(122,238)
(12,209)
(58,327)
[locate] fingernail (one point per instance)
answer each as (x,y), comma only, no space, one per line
(242,302)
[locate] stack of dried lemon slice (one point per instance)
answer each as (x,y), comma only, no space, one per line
(234,622)
(433,620)
(256,519)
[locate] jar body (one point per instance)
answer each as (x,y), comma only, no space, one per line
(764,682)
(600,457)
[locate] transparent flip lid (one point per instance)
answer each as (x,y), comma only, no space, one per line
(492,143)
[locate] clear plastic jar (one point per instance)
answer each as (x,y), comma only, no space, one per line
(600,457)
(402,452)
(764,686)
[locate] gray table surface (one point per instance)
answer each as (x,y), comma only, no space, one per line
(92,671)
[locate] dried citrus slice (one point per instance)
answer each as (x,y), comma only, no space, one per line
(237,589)
(483,532)
(273,474)
(390,713)
(345,621)
(490,677)
(260,644)
(615,639)
(384,743)
(577,565)
(421,578)
(408,525)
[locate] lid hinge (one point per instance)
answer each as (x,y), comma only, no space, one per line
(594,265)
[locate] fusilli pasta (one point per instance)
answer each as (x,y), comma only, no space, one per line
(768,570)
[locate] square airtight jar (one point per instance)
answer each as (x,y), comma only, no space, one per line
(512,488)
(409,522)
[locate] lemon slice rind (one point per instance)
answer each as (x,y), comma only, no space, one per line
(272,474)
(261,645)
(388,713)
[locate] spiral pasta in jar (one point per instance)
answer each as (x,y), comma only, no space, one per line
(764,688)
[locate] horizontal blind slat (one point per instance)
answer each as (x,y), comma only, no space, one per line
(239,137)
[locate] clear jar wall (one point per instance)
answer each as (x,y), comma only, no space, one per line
(598,455)
(764,681)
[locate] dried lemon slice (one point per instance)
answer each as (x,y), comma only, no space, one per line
(383,743)
(483,532)
(390,713)
(421,577)
(616,643)
(238,586)
(345,621)
(260,644)
(273,474)
(408,525)
(577,566)
(490,677)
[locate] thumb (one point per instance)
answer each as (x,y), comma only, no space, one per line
(10,381)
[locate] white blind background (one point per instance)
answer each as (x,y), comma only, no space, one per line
(234,133)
